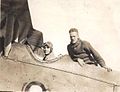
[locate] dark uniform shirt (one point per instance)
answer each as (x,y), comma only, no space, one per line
(83,50)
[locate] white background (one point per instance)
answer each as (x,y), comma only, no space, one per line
(98,22)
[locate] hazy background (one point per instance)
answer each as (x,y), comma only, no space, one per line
(98,22)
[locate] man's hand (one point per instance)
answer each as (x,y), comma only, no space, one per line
(81,62)
(107,68)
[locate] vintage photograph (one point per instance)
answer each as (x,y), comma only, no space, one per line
(60,46)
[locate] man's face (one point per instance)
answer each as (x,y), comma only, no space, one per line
(74,37)
(46,50)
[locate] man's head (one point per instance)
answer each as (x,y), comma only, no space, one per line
(74,35)
(48,47)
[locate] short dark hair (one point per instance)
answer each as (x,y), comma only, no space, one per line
(73,30)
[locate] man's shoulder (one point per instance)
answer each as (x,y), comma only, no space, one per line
(86,44)
(69,45)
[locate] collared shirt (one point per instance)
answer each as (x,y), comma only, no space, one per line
(50,56)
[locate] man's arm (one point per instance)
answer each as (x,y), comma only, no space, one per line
(95,54)
(97,57)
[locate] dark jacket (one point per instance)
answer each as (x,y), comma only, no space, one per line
(83,50)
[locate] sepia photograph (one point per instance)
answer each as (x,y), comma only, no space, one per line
(60,46)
